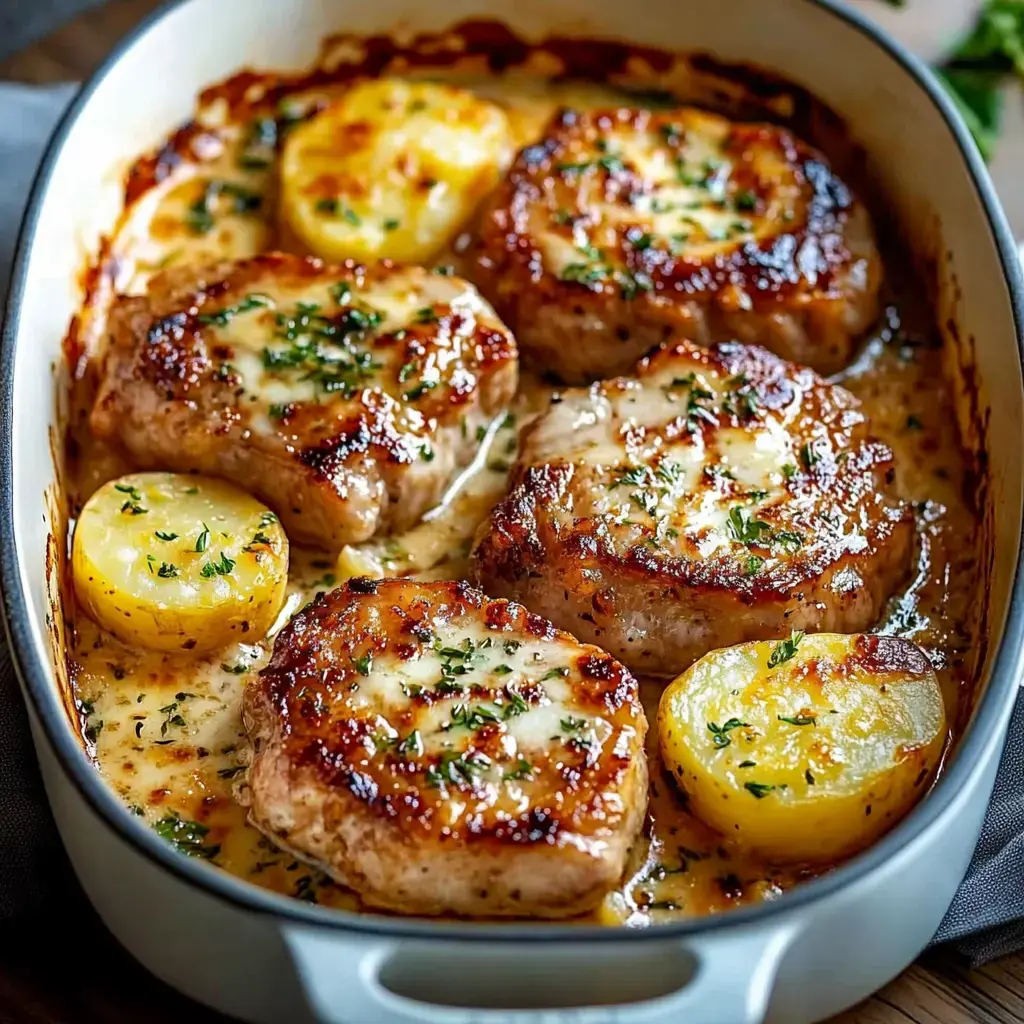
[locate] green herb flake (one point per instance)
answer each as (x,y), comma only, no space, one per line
(555,673)
(188,837)
(784,650)
(203,540)
(746,529)
(224,566)
(222,317)
(758,789)
(798,719)
(522,770)
(412,745)
(720,733)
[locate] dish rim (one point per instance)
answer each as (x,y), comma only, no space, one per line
(35,673)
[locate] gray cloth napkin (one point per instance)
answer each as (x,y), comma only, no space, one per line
(986,919)
(22,22)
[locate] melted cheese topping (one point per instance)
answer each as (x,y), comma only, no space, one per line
(165,729)
(690,452)
(290,344)
(670,181)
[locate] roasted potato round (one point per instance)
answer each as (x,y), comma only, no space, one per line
(179,563)
(391,169)
(806,749)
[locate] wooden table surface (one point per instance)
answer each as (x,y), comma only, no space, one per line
(67,969)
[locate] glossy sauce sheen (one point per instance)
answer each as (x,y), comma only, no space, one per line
(166,729)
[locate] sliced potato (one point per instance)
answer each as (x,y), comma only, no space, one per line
(391,169)
(177,562)
(807,749)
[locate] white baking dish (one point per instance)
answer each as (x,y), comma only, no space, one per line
(264,957)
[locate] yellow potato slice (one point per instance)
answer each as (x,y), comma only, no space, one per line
(808,749)
(391,169)
(179,563)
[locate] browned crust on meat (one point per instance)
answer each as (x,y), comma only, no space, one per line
(170,395)
(298,716)
(521,538)
(801,268)
(831,542)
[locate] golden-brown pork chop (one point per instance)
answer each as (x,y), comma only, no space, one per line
(346,397)
(623,228)
(718,496)
(440,752)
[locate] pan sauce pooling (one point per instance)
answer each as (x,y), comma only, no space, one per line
(166,728)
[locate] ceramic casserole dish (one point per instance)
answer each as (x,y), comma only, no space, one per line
(262,957)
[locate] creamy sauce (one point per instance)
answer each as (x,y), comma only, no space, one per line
(166,730)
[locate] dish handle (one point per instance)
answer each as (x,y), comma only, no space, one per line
(716,979)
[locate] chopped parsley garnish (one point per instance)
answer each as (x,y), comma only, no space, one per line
(554,673)
(188,837)
(753,565)
(224,566)
(573,724)
(168,571)
(260,144)
(200,216)
(412,744)
(746,529)
(522,770)
(809,455)
(420,389)
(473,718)
(516,705)
(203,540)
(222,317)
(798,719)
(585,273)
(721,732)
(427,315)
(364,663)
(161,535)
(335,208)
(758,789)
(459,769)
(784,650)
(133,508)
(745,201)
(322,349)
